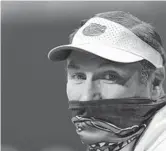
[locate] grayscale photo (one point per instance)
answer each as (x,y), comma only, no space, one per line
(83,76)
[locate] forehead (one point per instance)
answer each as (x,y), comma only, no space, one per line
(88,60)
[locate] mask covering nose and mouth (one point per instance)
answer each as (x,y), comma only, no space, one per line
(112,123)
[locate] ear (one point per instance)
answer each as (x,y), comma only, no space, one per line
(157,83)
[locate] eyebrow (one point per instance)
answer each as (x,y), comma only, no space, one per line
(72,65)
(104,64)
(108,64)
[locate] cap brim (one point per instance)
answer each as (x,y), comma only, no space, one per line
(111,53)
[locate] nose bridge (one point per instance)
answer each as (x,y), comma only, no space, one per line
(90,91)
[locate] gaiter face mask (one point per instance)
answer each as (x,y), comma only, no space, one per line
(111,124)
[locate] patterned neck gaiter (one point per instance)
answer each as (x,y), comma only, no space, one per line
(111,124)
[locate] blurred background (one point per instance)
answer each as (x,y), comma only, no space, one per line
(35,115)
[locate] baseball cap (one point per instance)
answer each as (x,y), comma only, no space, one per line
(108,40)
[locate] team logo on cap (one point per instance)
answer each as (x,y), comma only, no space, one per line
(94,29)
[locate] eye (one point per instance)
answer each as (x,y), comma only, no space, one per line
(110,77)
(78,76)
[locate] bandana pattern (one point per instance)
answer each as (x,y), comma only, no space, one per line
(110,125)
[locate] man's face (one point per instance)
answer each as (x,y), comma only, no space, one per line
(91,77)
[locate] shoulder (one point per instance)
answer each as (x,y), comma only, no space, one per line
(159,144)
(154,137)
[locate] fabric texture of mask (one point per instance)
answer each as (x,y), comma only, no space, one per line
(112,123)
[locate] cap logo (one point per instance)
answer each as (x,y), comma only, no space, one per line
(94,29)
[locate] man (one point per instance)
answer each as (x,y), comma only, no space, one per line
(115,72)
